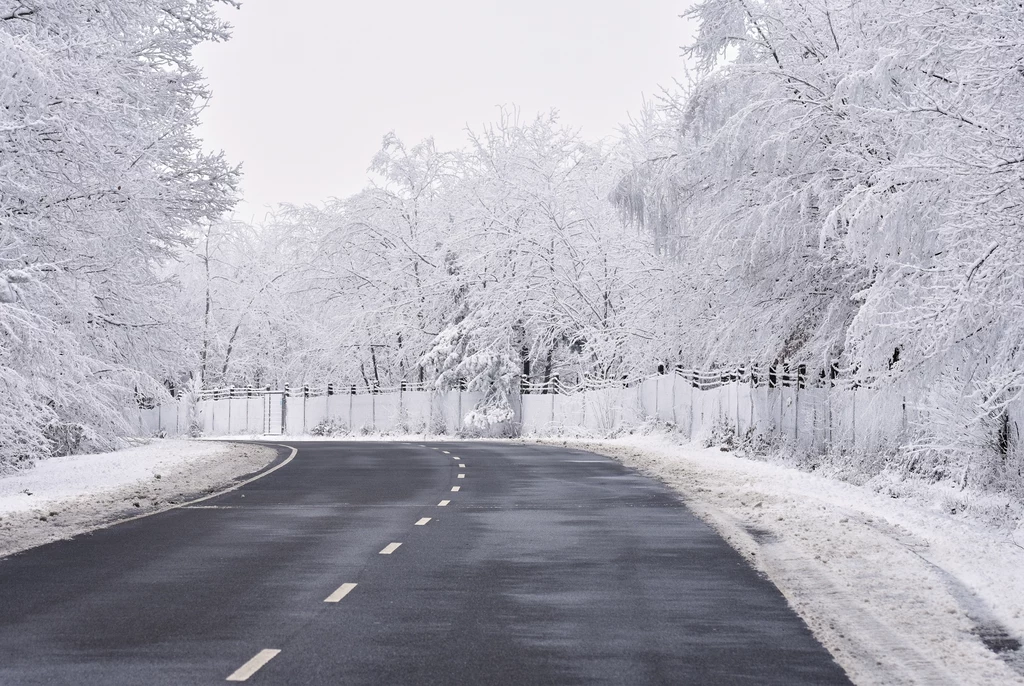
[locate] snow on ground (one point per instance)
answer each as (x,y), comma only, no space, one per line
(64,496)
(352,438)
(901,591)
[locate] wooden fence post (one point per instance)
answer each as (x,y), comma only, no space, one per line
(853,433)
(327,402)
(554,390)
(689,429)
(284,410)
(736,387)
(675,419)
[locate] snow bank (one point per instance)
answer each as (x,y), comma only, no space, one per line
(901,591)
(64,496)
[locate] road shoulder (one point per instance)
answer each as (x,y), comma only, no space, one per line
(64,497)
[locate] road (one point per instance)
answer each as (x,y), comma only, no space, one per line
(546,566)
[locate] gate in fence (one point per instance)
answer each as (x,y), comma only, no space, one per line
(273,413)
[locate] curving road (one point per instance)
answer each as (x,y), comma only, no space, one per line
(546,566)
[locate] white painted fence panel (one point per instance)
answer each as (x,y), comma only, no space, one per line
(537,413)
(812,418)
(416,408)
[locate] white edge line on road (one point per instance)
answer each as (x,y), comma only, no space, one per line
(252,666)
(342,591)
(390,548)
(189,503)
(423,521)
(295,451)
(443,503)
(462,476)
(588,461)
(455,489)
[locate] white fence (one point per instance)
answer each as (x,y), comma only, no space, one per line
(248,411)
(171,419)
(812,416)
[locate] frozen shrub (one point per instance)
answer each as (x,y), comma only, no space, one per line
(329,427)
(65,438)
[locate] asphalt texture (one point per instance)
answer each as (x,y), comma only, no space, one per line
(549,566)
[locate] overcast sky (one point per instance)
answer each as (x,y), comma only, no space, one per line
(305,91)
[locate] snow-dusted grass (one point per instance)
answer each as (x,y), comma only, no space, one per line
(65,496)
(899,589)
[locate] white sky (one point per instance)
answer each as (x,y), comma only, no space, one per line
(304,92)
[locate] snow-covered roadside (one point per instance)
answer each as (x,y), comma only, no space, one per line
(349,438)
(65,496)
(897,590)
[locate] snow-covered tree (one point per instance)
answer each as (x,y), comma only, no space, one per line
(455,268)
(101,176)
(843,182)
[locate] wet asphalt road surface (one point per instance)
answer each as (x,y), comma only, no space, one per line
(547,566)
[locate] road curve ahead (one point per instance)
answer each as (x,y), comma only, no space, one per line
(390,563)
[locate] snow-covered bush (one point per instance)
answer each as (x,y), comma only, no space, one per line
(65,437)
(330,427)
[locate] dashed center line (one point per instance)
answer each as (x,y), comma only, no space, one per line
(252,666)
(423,521)
(342,591)
(390,548)
(446,452)
(456,458)
(455,489)
(462,476)
(462,465)
(443,503)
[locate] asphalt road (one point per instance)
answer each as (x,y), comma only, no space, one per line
(547,566)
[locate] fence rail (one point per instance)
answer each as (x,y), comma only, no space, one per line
(308,391)
(703,379)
